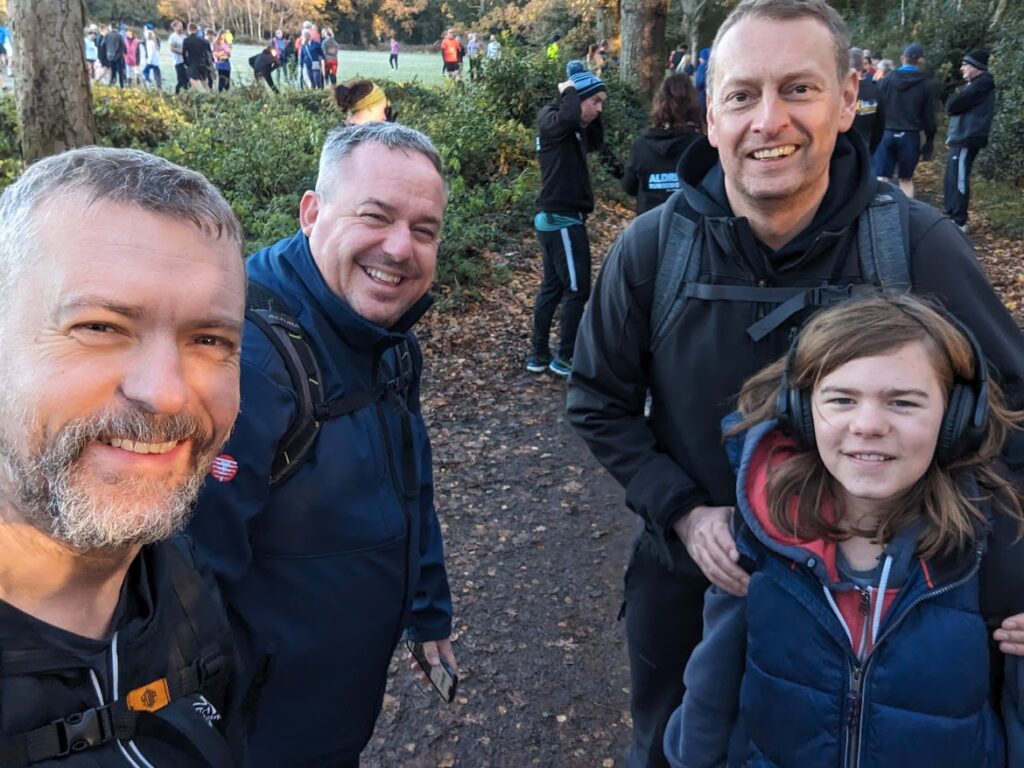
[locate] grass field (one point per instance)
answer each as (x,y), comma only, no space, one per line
(425,67)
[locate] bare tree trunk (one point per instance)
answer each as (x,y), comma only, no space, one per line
(1000,11)
(643,42)
(52,91)
(693,12)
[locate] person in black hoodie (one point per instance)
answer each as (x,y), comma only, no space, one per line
(675,123)
(121,384)
(908,102)
(775,198)
(970,120)
(265,62)
(568,128)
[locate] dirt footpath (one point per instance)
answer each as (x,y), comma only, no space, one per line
(537,538)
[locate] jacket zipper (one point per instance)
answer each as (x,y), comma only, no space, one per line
(399,488)
(859,671)
(856,682)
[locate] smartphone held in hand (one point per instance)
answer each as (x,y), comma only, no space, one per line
(442,677)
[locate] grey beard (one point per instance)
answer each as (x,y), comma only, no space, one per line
(48,489)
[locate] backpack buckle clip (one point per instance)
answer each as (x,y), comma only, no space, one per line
(82,730)
(827,295)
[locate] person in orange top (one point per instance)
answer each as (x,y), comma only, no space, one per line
(450,54)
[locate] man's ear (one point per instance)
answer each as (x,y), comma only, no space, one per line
(848,110)
(309,209)
(710,117)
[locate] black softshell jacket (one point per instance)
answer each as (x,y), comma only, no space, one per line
(562,146)
(674,461)
(657,154)
(971,111)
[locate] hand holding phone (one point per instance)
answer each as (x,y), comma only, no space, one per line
(444,679)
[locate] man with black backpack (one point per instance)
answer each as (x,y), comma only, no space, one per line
(323,534)
(778,214)
(119,362)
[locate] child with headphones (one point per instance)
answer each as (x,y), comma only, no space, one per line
(866,501)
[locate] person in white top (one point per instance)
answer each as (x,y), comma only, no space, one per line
(153,59)
(175,41)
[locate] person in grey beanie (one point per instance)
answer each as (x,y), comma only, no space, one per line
(971,110)
(567,128)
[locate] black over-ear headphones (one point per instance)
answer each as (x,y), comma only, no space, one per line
(964,424)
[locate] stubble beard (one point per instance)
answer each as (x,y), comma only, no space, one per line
(51,490)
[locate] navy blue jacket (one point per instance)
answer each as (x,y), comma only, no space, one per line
(971,111)
(323,572)
(776,681)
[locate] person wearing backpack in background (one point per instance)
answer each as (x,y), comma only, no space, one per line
(312,57)
(867,499)
(324,536)
(778,214)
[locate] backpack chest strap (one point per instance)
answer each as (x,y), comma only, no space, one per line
(96,726)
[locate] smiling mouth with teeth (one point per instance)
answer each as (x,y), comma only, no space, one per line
(135,446)
(383,277)
(774,152)
(880,457)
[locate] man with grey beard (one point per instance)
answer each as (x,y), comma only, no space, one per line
(119,371)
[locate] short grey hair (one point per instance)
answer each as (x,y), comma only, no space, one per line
(885,65)
(788,10)
(341,142)
(857,59)
(104,175)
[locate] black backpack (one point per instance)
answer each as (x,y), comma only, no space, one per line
(269,313)
(883,248)
(202,663)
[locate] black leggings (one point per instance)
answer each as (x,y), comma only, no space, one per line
(264,75)
(182,72)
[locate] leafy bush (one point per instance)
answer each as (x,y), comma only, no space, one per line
(10,152)
(133,117)
(262,150)
(1003,159)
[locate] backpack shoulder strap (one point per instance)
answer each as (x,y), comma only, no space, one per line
(680,243)
(267,311)
(883,241)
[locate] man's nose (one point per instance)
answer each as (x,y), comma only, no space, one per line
(398,243)
(771,116)
(155,379)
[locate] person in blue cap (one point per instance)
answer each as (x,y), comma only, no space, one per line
(567,128)
(909,106)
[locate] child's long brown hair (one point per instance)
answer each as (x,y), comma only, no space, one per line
(867,328)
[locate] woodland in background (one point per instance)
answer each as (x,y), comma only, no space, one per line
(946,29)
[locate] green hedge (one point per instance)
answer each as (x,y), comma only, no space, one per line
(1003,159)
(261,150)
